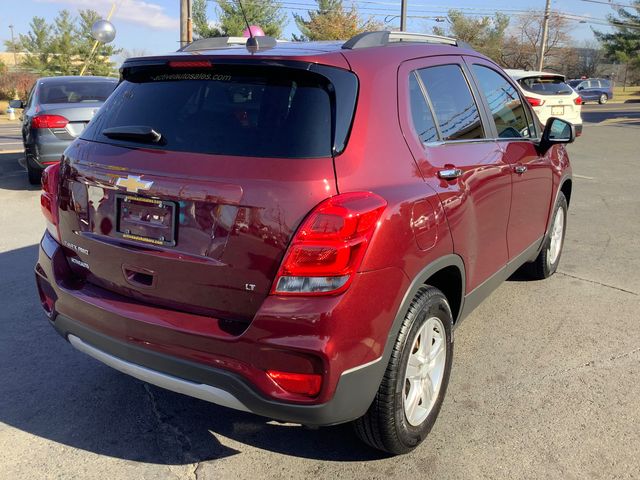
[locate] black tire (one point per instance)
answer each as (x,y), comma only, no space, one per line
(604,98)
(385,426)
(542,267)
(34,173)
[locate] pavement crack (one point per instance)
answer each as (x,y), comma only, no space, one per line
(177,436)
(598,283)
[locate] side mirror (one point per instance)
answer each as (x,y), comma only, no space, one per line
(16,104)
(556,131)
(580,88)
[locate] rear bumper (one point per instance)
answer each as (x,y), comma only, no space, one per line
(43,147)
(229,371)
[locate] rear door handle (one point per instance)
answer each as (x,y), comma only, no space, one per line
(520,169)
(450,173)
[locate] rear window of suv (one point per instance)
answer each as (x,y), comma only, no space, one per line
(545,85)
(229,110)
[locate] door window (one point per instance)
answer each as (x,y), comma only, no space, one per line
(455,109)
(421,114)
(506,107)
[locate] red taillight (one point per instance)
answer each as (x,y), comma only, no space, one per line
(190,64)
(49,198)
(49,121)
(330,245)
(577,100)
(307,384)
(535,102)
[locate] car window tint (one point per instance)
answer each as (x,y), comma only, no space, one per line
(75,92)
(421,113)
(231,111)
(454,107)
(605,83)
(504,102)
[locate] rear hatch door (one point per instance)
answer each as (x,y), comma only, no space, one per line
(199,218)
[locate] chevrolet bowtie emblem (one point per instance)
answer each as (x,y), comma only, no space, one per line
(133,183)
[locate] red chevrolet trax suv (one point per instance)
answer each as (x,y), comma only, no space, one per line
(295,229)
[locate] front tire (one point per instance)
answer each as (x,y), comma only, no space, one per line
(548,259)
(415,382)
(603,99)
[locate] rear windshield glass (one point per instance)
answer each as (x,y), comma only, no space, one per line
(76,92)
(545,85)
(574,83)
(259,112)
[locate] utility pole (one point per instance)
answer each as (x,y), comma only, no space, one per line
(403,16)
(545,34)
(186,28)
(13,44)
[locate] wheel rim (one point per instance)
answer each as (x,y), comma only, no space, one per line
(424,372)
(555,245)
(603,99)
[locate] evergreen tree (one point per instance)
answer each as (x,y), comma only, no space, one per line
(623,45)
(267,14)
(330,21)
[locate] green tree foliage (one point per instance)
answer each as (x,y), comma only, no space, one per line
(200,19)
(484,34)
(330,21)
(623,45)
(62,47)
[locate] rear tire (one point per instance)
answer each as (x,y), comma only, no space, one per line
(603,99)
(548,259)
(34,173)
(411,394)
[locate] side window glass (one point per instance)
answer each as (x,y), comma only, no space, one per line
(455,109)
(506,106)
(421,113)
(30,97)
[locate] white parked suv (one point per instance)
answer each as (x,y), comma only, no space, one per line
(550,96)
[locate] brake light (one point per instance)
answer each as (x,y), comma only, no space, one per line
(535,102)
(190,64)
(49,198)
(49,121)
(307,384)
(329,246)
(577,100)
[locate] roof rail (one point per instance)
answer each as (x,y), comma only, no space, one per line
(214,43)
(385,37)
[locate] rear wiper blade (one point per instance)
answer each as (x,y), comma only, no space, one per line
(136,133)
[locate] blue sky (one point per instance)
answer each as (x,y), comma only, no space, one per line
(152,25)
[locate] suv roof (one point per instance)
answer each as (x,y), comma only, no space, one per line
(413,45)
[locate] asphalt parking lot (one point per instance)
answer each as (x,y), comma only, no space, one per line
(545,382)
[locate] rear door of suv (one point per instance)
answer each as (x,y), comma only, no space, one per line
(187,186)
(516,133)
(446,130)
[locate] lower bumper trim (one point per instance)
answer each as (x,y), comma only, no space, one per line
(203,392)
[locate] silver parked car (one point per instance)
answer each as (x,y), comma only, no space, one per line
(56,112)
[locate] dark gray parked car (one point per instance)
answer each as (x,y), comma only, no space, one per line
(56,112)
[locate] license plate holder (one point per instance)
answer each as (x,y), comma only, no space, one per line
(146,220)
(557,110)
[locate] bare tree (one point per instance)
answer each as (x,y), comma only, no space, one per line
(521,50)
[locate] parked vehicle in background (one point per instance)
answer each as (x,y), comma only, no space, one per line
(593,89)
(550,96)
(55,113)
(295,231)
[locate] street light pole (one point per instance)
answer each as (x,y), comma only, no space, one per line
(13,44)
(545,33)
(403,15)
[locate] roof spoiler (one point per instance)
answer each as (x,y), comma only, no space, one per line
(253,44)
(385,37)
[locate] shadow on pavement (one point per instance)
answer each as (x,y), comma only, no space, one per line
(13,175)
(54,392)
